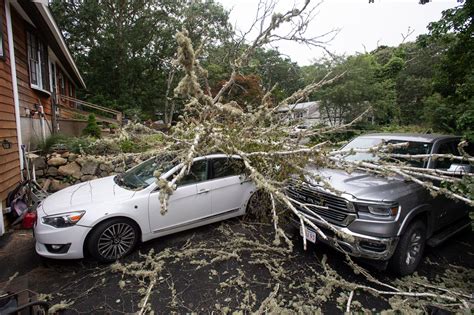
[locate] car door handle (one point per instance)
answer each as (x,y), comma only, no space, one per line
(203,191)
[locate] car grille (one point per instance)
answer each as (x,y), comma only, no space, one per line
(332,208)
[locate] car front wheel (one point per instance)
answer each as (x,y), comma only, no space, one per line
(410,249)
(113,239)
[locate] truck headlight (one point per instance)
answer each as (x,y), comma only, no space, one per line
(63,219)
(379,210)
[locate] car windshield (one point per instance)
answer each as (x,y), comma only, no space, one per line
(142,175)
(413,147)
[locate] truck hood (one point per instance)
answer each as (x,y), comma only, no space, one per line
(84,195)
(361,185)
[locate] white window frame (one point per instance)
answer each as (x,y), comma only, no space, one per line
(36,64)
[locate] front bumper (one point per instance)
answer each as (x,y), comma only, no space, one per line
(71,237)
(355,244)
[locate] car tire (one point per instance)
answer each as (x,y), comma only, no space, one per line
(409,250)
(113,239)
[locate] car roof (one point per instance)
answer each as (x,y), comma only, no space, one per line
(419,137)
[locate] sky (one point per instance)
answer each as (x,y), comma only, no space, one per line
(360,23)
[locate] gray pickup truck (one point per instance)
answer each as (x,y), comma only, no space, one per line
(389,220)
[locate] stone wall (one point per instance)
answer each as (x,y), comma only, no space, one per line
(59,170)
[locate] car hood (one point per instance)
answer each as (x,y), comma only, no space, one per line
(83,195)
(361,185)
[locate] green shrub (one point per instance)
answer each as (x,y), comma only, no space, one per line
(103,147)
(52,142)
(129,146)
(92,129)
(63,142)
(76,145)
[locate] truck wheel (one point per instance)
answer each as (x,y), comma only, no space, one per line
(113,239)
(410,249)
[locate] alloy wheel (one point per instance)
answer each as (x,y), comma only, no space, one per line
(116,241)
(414,248)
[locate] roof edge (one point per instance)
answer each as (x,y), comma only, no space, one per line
(42,6)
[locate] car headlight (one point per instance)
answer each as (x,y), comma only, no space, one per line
(63,219)
(379,210)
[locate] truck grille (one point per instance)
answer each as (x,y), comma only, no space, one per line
(332,208)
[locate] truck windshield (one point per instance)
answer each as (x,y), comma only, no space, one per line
(142,175)
(414,147)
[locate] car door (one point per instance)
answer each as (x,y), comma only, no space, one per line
(189,204)
(228,184)
(446,209)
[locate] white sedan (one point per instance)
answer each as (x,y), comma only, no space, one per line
(107,217)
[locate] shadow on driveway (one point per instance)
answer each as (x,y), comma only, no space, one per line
(230,266)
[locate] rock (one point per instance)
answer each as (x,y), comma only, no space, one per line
(57,185)
(52,171)
(39,172)
(86,178)
(72,157)
(80,160)
(104,174)
(105,167)
(89,167)
(119,169)
(39,163)
(57,161)
(72,169)
(65,155)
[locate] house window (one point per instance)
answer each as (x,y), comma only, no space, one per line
(37,62)
(52,74)
(71,89)
(62,84)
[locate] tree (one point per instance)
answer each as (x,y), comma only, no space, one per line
(125,48)
(92,129)
(246,91)
(277,72)
(454,76)
(364,83)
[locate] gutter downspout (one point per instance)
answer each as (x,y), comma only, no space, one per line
(16,99)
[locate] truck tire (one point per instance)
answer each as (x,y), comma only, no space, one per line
(410,249)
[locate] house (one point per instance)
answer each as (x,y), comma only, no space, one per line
(308,114)
(38,77)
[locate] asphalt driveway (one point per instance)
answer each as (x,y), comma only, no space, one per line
(226,267)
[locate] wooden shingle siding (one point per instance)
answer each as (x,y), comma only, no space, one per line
(28,96)
(9,159)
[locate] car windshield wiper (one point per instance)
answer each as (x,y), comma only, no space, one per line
(118,179)
(121,182)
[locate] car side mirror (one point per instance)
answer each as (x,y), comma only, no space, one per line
(460,169)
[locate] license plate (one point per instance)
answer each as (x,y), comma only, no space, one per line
(309,235)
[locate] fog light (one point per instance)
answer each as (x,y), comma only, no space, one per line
(58,248)
(372,246)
